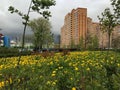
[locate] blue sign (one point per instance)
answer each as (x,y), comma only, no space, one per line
(6,41)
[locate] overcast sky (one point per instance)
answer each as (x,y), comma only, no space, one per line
(12,23)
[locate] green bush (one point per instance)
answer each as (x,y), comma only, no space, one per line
(11,52)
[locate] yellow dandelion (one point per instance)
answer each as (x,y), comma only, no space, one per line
(1,84)
(76,69)
(73,88)
(48,82)
(118,65)
(18,80)
(53,83)
(112,58)
(70,64)
(88,69)
(71,78)
(53,74)
(51,63)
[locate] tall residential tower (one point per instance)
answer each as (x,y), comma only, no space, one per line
(77,26)
(74,28)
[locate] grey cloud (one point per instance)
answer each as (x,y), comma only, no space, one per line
(12,23)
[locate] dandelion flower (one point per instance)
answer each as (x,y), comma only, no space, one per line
(73,88)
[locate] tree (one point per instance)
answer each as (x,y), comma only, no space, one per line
(107,23)
(81,45)
(116,42)
(92,42)
(50,40)
(42,32)
(39,6)
(72,44)
(116,8)
(95,41)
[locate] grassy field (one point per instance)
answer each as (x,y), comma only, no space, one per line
(88,70)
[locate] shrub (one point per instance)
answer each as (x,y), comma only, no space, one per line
(11,52)
(65,52)
(47,54)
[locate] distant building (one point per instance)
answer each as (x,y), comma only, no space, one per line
(93,29)
(4,40)
(1,39)
(77,25)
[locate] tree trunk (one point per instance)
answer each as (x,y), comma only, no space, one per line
(109,42)
(23,39)
(40,47)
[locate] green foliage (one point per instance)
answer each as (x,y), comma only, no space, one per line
(72,44)
(43,4)
(81,45)
(95,42)
(116,8)
(116,82)
(37,6)
(40,6)
(92,42)
(42,32)
(82,70)
(116,42)
(25,17)
(7,52)
(110,20)
(107,23)
(11,52)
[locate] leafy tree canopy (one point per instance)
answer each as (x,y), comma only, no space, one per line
(116,8)
(40,6)
(42,32)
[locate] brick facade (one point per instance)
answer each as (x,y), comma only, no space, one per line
(77,25)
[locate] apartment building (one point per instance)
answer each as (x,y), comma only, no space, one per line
(77,25)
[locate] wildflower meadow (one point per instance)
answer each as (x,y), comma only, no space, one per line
(88,70)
